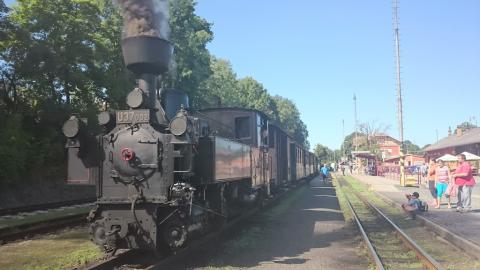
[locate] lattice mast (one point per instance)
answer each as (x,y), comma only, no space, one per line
(399,82)
(399,92)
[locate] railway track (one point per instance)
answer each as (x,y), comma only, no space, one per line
(46,206)
(23,231)
(388,245)
(41,225)
(132,259)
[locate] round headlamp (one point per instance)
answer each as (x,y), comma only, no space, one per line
(178,125)
(135,98)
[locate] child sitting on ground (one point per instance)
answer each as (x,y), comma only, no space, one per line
(412,206)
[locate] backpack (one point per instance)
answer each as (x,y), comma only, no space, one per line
(422,206)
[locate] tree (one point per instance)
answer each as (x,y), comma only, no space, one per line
(349,143)
(323,153)
(288,117)
(57,56)
(466,126)
(190,67)
(410,147)
(221,86)
(253,95)
(369,130)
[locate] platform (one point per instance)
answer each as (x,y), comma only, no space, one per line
(306,230)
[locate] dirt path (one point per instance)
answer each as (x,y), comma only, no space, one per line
(306,231)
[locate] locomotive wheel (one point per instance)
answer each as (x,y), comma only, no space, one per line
(98,235)
(174,233)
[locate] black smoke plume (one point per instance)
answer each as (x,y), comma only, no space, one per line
(145,18)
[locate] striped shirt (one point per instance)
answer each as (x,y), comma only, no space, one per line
(442,174)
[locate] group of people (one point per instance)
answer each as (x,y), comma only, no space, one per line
(459,183)
(444,182)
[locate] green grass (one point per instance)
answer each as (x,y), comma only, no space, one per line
(65,250)
(42,217)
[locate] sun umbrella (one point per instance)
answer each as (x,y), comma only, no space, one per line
(447,157)
(471,156)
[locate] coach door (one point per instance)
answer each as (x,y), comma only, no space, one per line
(262,173)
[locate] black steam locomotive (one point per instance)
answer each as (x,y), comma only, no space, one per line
(163,171)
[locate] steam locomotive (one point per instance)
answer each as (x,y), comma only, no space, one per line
(163,171)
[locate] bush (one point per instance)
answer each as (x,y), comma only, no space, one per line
(14,149)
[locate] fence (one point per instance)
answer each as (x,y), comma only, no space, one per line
(393,172)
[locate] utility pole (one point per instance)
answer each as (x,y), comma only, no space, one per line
(356,123)
(343,136)
(399,91)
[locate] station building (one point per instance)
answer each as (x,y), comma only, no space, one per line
(455,143)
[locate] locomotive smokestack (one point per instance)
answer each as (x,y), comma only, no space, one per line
(145,48)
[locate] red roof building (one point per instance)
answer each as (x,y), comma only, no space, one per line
(388,146)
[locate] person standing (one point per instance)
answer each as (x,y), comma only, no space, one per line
(325,172)
(451,191)
(442,175)
(465,182)
(431,181)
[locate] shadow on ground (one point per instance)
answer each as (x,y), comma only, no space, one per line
(313,221)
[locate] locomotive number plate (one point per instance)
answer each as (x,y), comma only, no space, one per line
(133,116)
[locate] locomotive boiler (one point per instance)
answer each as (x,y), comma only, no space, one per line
(164,171)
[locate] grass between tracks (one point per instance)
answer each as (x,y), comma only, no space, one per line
(66,249)
(349,220)
(446,254)
(40,217)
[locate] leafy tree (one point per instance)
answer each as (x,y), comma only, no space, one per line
(191,65)
(57,56)
(410,147)
(322,152)
(222,86)
(466,125)
(253,95)
(289,118)
(326,155)
(349,143)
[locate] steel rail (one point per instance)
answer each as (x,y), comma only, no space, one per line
(115,261)
(373,252)
(429,262)
(45,206)
(13,233)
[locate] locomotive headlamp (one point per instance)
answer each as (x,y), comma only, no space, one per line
(72,127)
(105,118)
(135,98)
(178,125)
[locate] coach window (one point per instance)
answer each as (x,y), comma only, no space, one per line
(242,127)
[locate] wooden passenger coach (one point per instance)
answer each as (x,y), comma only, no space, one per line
(276,157)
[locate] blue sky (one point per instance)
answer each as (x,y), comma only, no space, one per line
(319,53)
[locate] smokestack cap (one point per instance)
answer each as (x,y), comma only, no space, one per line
(146,54)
